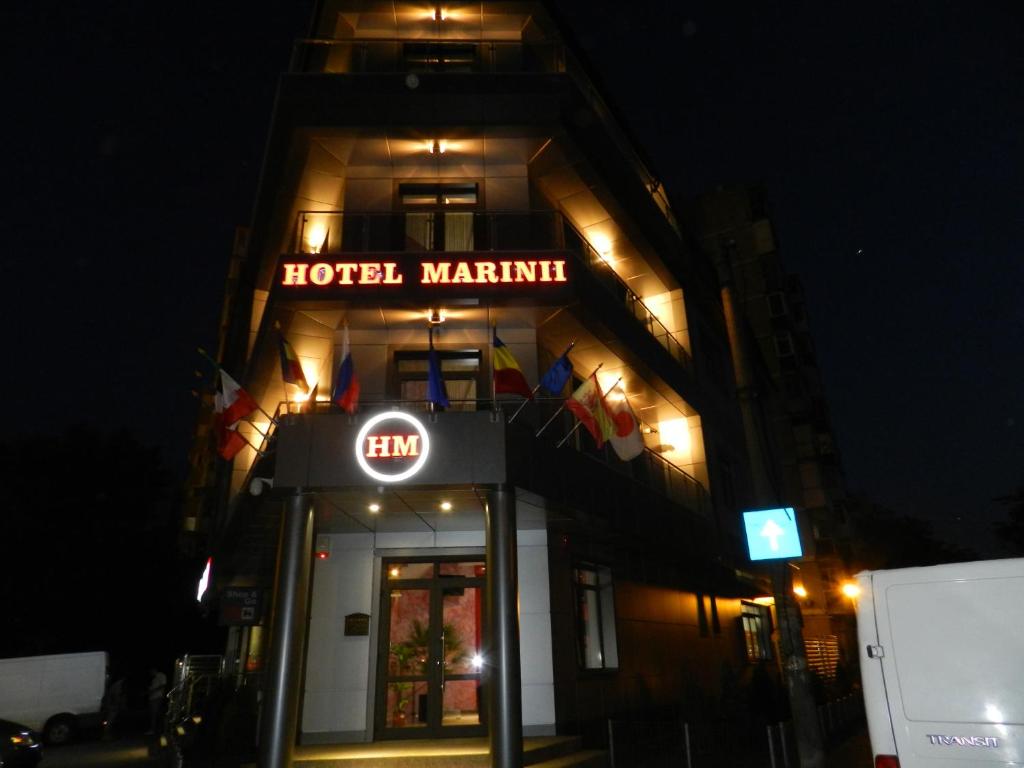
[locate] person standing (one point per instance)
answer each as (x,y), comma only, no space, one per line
(155,693)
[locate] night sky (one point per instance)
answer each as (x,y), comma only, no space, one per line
(889,137)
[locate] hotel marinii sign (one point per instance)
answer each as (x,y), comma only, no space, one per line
(436,274)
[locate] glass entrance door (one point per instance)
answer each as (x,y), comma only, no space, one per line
(431,636)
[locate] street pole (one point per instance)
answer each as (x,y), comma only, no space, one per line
(795,671)
(278,721)
(501,662)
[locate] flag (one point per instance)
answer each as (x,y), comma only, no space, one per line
(346,385)
(508,376)
(627,440)
(554,380)
(588,405)
(291,369)
(436,391)
(231,404)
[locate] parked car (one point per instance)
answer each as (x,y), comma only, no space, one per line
(20,747)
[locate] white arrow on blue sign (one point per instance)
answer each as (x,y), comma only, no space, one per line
(772,534)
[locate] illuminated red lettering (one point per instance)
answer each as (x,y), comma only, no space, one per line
(392,446)
(321,274)
(391,274)
(345,272)
(462,273)
(294,274)
(526,271)
(436,273)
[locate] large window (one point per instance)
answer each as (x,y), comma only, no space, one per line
(757,631)
(460,370)
(595,618)
(439,230)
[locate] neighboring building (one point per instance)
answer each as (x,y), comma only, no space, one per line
(451,170)
(734,222)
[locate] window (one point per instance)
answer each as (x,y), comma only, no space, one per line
(756,621)
(460,370)
(776,304)
(784,344)
(436,230)
(595,618)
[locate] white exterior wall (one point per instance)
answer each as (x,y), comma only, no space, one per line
(340,671)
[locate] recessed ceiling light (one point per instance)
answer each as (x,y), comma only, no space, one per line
(446,506)
(374,507)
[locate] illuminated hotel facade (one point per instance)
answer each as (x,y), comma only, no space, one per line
(451,170)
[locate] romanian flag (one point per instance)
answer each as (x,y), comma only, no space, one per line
(346,385)
(588,405)
(508,376)
(291,369)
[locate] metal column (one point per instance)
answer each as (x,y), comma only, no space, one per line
(504,679)
(280,711)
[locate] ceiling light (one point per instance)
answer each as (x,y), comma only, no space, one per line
(446,506)
(374,507)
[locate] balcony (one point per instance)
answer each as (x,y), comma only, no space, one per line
(337,232)
(380,56)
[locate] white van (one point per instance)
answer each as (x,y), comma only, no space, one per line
(56,695)
(942,663)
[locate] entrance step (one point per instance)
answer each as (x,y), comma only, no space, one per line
(538,752)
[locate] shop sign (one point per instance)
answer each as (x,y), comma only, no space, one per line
(392,446)
(357,624)
(240,606)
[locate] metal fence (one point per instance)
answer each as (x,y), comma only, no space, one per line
(665,743)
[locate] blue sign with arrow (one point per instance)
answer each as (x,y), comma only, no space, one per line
(772,534)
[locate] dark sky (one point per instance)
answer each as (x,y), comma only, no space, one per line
(889,136)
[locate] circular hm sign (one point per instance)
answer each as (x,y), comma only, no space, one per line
(392,447)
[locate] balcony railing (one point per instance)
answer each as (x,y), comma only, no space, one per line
(447,230)
(381,55)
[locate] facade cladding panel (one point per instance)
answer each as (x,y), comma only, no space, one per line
(419,197)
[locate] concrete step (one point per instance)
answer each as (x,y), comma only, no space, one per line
(435,753)
(586,758)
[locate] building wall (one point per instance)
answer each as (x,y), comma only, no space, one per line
(340,671)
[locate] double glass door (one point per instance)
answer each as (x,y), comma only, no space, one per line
(429,672)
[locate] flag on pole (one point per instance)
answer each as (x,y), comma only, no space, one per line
(436,391)
(553,382)
(346,385)
(627,440)
(508,376)
(231,404)
(291,368)
(588,405)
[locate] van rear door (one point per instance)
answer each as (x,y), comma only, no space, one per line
(952,659)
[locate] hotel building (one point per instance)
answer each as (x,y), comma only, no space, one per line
(482,568)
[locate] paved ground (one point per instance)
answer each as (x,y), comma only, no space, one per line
(855,752)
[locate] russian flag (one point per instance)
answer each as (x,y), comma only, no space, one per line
(346,384)
(508,376)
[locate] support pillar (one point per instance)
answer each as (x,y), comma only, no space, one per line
(503,675)
(279,715)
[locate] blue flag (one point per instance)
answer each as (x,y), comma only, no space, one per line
(436,392)
(558,374)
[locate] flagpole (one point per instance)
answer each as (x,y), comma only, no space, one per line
(523,404)
(494,386)
(562,408)
(537,388)
(220,368)
(573,430)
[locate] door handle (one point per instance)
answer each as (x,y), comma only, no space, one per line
(441,660)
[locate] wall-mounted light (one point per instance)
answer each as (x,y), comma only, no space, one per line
(440,14)
(850,590)
(437,146)
(800,591)
(436,316)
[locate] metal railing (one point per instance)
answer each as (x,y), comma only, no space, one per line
(388,55)
(390,232)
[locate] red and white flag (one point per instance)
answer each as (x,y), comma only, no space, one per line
(231,404)
(627,440)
